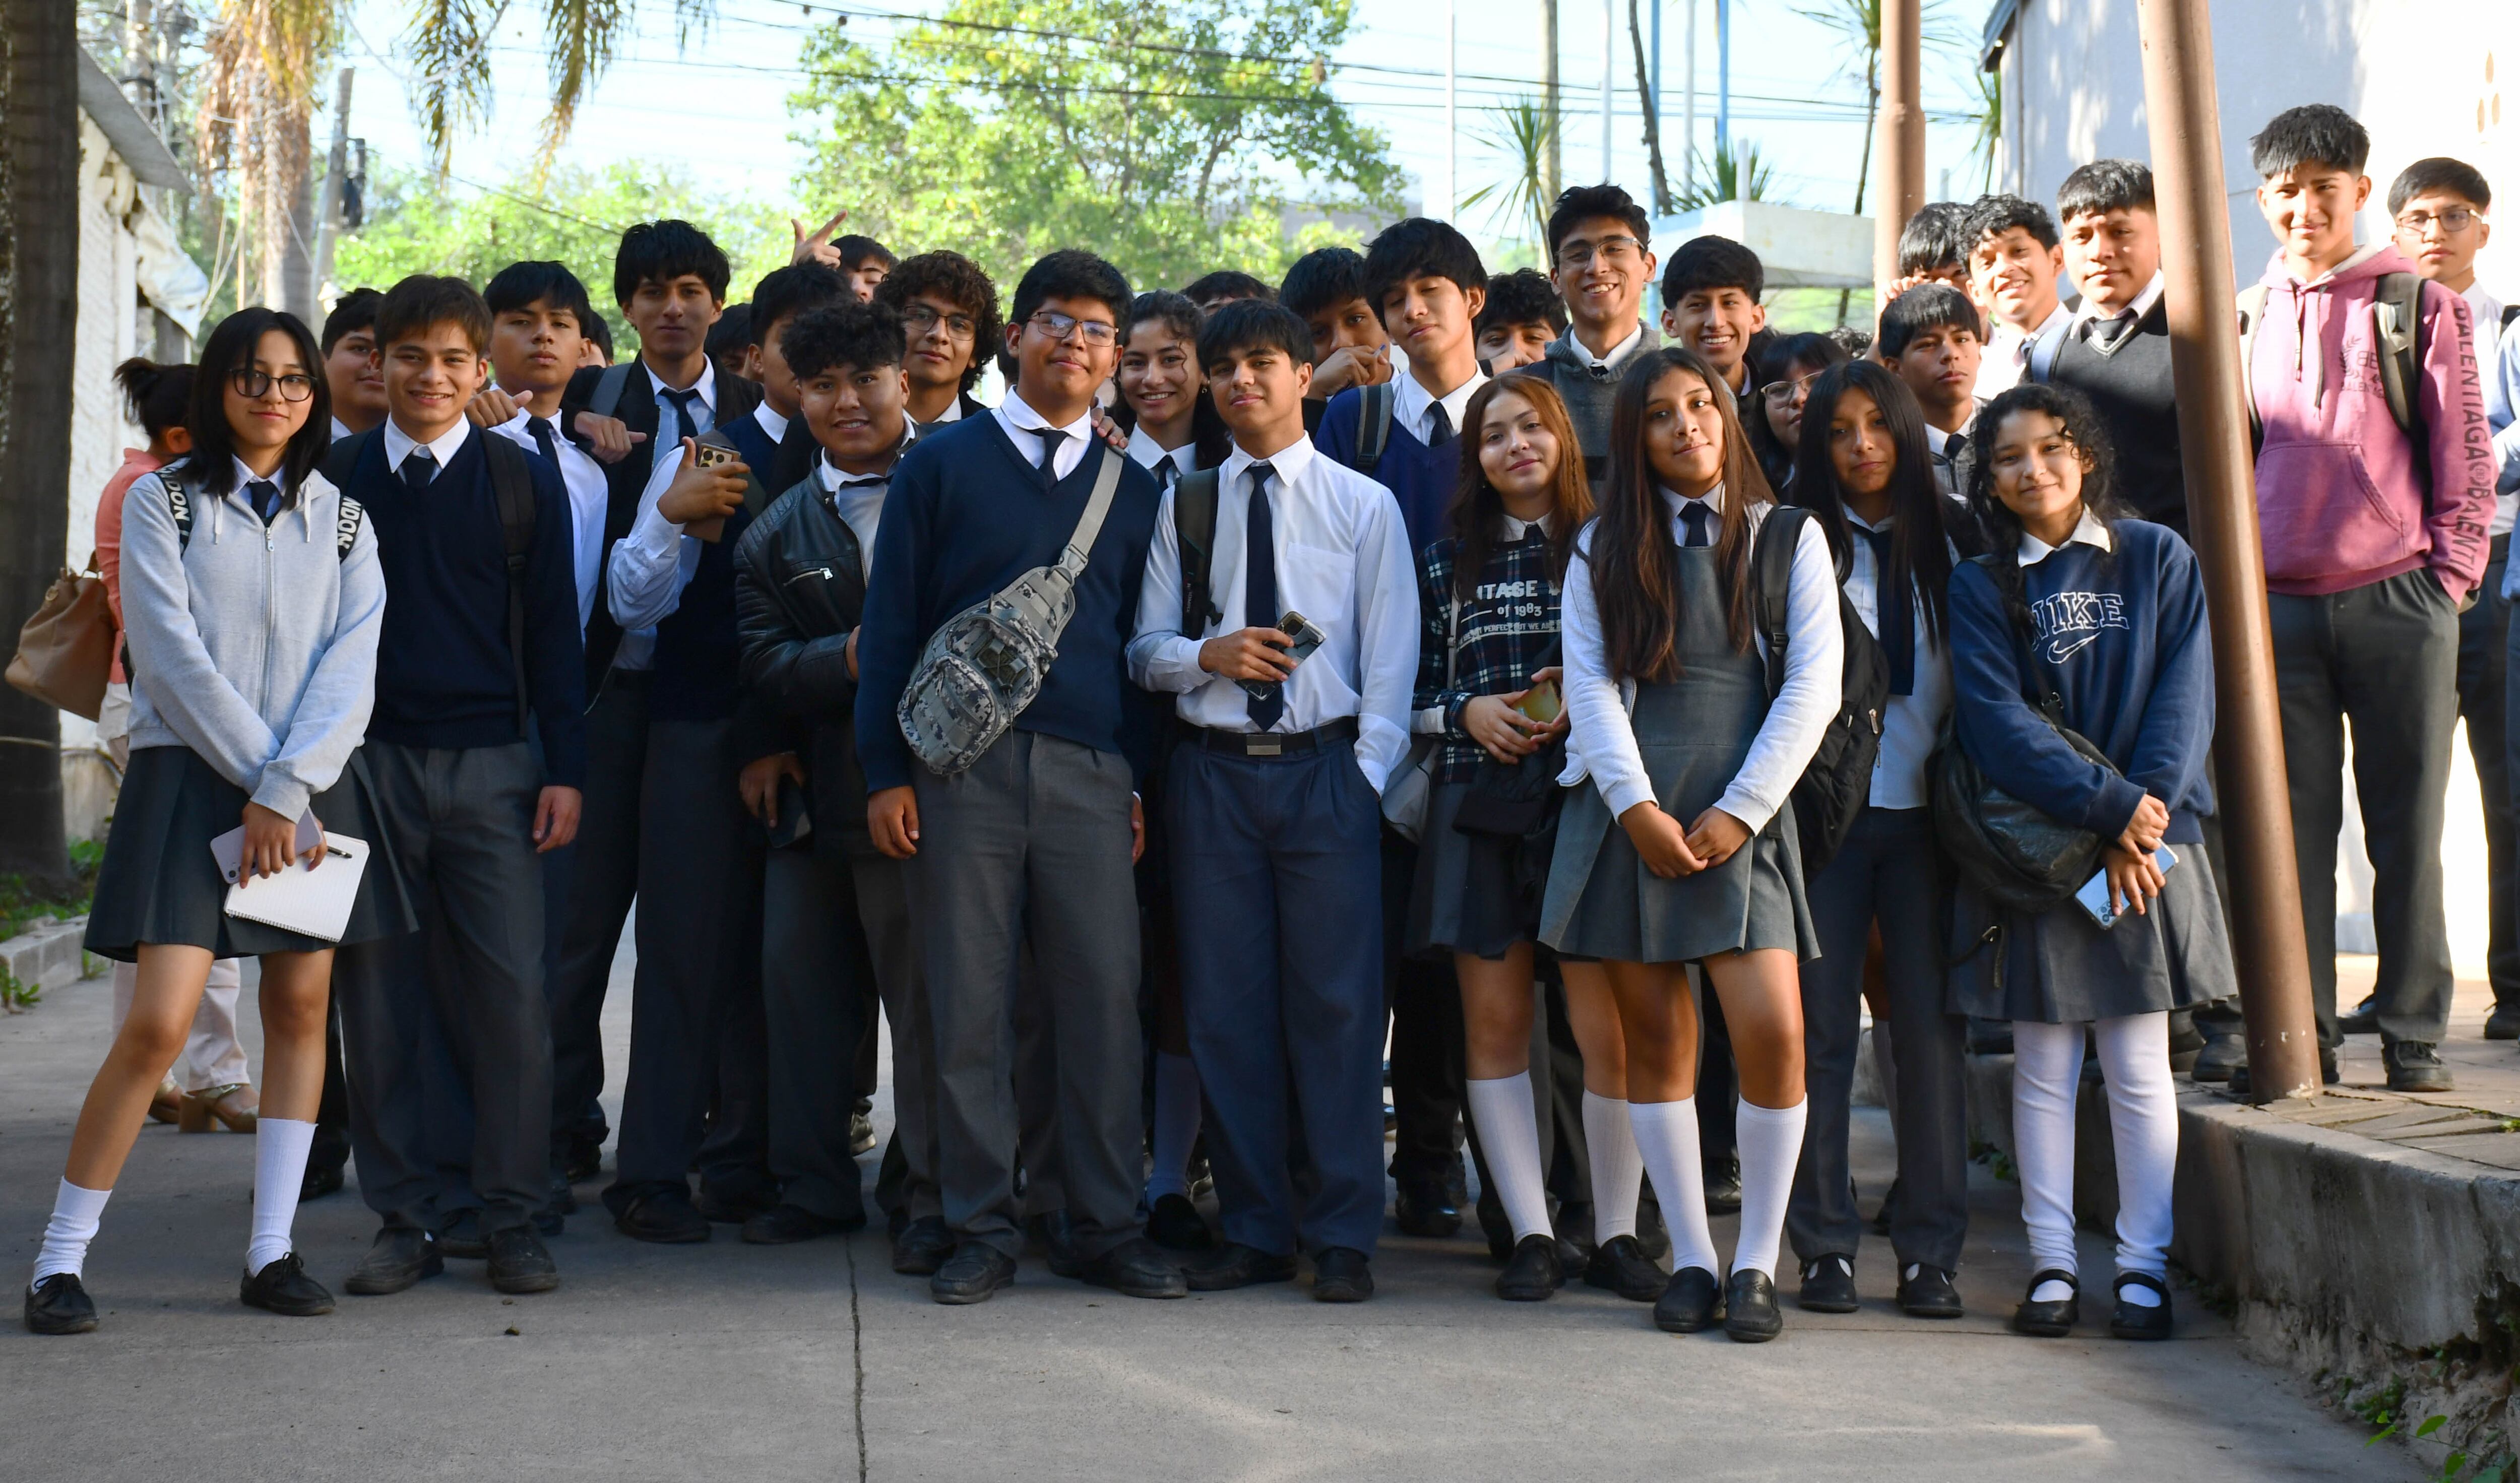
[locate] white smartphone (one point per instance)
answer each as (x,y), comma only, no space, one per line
(228,850)
(2095,894)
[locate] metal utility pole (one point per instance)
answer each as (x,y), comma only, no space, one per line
(2268,943)
(1901,138)
(1689,99)
(1452,111)
(1724,77)
(337,174)
(1554,178)
(1609,76)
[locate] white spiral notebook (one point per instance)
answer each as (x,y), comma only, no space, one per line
(315,902)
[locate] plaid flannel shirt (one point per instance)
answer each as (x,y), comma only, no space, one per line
(1506,628)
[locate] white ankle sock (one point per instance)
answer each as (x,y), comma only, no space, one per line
(75,1213)
(280,1146)
(1509,1137)
(1177,1118)
(1771,1144)
(1610,1147)
(1666,1134)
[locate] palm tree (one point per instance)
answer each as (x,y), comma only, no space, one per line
(1733,176)
(1526,134)
(1989,118)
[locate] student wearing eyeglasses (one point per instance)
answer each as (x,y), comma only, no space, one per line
(1600,256)
(949,310)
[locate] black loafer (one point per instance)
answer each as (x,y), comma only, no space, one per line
(2139,1320)
(1136,1268)
(786,1224)
(2363,1019)
(1620,1264)
(664,1216)
(1176,1223)
(1424,1207)
(1693,1300)
(2503,1023)
(519,1262)
(320,1179)
(1750,1315)
(1828,1286)
(60,1304)
(1239,1265)
(2049,1320)
(399,1257)
(1723,1187)
(1926,1293)
(462,1237)
(1341,1276)
(975,1270)
(283,1287)
(2415,1066)
(923,1246)
(1533,1273)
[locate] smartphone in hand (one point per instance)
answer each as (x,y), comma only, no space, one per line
(2095,894)
(1306,639)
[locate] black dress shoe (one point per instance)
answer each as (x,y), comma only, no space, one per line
(320,1179)
(399,1257)
(2503,1023)
(1533,1270)
(1828,1286)
(283,1287)
(786,1224)
(971,1274)
(1049,1230)
(60,1304)
(519,1262)
(2414,1067)
(462,1237)
(1620,1264)
(1341,1276)
(1176,1223)
(1136,1268)
(664,1216)
(923,1246)
(2363,1019)
(1750,1315)
(1926,1293)
(1691,1301)
(1235,1265)
(2140,1320)
(1424,1207)
(2049,1320)
(1723,1187)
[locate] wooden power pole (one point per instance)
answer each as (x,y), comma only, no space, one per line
(1554,178)
(1900,143)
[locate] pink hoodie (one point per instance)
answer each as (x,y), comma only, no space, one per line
(2341,501)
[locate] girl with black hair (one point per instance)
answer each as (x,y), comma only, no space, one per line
(2101,617)
(1173,426)
(253,601)
(1781,376)
(1863,470)
(1667,687)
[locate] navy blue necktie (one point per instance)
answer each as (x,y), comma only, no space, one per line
(1897,615)
(1443,432)
(684,426)
(1260,589)
(1699,518)
(419,466)
(1051,440)
(541,428)
(265,497)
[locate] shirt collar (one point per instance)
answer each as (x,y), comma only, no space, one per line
(1290,462)
(1147,453)
(1860,523)
(1512,530)
(953,412)
(1020,416)
(342,430)
(831,478)
(1713,500)
(2088,530)
(1410,400)
(1619,353)
(707,385)
(398,444)
(246,475)
(771,422)
(2084,309)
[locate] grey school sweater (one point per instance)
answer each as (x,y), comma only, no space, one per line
(1568,367)
(255,648)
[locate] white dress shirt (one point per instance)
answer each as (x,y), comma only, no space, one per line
(2008,353)
(1342,562)
(656,559)
(666,447)
(1413,406)
(1619,353)
(444,447)
(2041,352)
(1940,446)
(1166,464)
(342,430)
(1913,722)
(858,500)
(1023,427)
(588,497)
(2089,530)
(953,412)
(1603,744)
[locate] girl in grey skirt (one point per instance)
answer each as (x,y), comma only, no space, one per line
(252,598)
(2101,617)
(1684,851)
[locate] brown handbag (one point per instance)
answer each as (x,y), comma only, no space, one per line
(66,651)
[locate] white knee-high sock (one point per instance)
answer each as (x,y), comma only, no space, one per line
(1772,1145)
(75,1213)
(280,1146)
(1509,1137)
(1177,1119)
(2143,1126)
(2046,1074)
(1610,1147)
(1666,1134)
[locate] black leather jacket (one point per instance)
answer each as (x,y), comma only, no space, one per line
(799,587)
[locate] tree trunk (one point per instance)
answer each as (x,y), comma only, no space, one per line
(1653,124)
(39,201)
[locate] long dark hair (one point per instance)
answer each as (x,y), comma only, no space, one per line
(1775,362)
(1476,505)
(229,349)
(1918,552)
(1635,580)
(2084,430)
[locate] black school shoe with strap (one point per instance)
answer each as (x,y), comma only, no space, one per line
(1828,1286)
(60,1304)
(1750,1313)
(2049,1320)
(1691,1301)
(283,1287)
(2139,1320)
(1928,1292)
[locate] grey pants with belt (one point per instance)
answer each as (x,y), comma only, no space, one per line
(1032,846)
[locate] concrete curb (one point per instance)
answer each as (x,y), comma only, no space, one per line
(46,956)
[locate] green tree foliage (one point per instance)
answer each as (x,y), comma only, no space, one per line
(1166,134)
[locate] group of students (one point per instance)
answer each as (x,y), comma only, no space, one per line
(1398,655)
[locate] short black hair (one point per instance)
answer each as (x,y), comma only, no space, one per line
(1225,284)
(1926,306)
(1931,240)
(843,332)
(2315,133)
(957,279)
(352,312)
(2104,186)
(1248,324)
(662,251)
(424,300)
(1419,247)
(1523,296)
(1176,312)
(1702,264)
(600,330)
(1577,204)
(854,251)
(158,395)
(786,292)
(230,348)
(731,333)
(1994,215)
(523,284)
(1070,273)
(2440,172)
(1323,279)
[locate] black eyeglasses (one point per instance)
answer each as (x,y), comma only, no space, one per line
(1094,332)
(919,319)
(2453,219)
(253,386)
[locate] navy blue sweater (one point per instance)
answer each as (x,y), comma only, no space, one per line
(698,659)
(1421,479)
(444,674)
(965,515)
(2121,638)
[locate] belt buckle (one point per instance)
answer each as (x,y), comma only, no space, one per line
(1262,744)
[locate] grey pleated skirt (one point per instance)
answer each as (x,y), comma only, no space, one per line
(2062,967)
(1603,903)
(1464,899)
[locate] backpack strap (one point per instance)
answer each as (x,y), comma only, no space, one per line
(345,527)
(512,485)
(1373,425)
(609,387)
(1195,524)
(1771,567)
(2397,326)
(179,500)
(2252,302)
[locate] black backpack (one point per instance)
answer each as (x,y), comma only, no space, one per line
(1838,782)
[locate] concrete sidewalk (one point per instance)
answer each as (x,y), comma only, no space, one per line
(816,1362)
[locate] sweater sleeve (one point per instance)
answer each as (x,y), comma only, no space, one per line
(2178,732)
(2451,399)
(889,638)
(331,715)
(2012,743)
(555,649)
(1814,679)
(1599,732)
(170,662)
